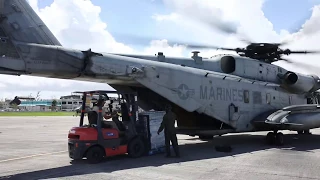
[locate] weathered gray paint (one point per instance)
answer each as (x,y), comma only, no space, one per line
(29,48)
(246,68)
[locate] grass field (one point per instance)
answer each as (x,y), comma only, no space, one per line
(37,113)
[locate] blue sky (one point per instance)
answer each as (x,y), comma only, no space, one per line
(288,14)
(284,14)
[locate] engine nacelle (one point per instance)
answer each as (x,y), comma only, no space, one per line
(299,83)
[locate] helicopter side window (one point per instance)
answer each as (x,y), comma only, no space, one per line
(246,96)
(268,98)
(228,64)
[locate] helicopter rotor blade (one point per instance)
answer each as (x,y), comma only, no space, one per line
(304,52)
(229,49)
(288,51)
(145,41)
(226,27)
(286,60)
(304,66)
(229,29)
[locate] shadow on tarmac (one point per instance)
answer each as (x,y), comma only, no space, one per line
(241,143)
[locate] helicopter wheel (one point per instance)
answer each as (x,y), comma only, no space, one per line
(270,138)
(275,138)
(304,132)
(279,139)
(307,131)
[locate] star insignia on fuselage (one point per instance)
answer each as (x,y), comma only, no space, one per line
(184,92)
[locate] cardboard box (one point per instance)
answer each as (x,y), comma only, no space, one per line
(151,120)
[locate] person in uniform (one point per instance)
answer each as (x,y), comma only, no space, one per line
(93,117)
(168,124)
(101,102)
(115,119)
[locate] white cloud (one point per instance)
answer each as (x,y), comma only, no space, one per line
(162,46)
(248,18)
(172,16)
(306,39)
(77,24)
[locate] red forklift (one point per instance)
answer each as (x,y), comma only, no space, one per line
(101,138)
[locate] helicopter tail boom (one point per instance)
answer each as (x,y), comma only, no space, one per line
(20,23)
(22,36)
(65,63)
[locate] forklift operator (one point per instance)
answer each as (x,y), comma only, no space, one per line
(114,115)
(115,119)
(101,103)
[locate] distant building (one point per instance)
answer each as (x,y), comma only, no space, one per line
(65,103)
(71,102)
(6,104)
(41,105)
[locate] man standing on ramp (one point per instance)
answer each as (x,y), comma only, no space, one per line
(168,124)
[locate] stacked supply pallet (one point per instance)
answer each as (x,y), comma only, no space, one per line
(152,121)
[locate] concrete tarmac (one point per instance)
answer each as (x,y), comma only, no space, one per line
(36,148)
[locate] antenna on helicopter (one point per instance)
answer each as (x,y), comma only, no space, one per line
(196,57)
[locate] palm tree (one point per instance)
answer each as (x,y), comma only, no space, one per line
(54,104)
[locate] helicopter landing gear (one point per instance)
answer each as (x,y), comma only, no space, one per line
(304,132)
(275,138)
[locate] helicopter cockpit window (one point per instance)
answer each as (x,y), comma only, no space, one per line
(246,96)
(268,98)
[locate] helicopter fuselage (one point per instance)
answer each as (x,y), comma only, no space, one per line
(224,92)
(251,69)
(226,98)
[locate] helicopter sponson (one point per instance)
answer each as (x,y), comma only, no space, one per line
(296,117)
(299,83)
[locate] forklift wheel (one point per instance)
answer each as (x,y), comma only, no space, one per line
(136,148)
(95,155)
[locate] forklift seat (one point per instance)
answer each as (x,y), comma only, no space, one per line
(93,117)
(112,124)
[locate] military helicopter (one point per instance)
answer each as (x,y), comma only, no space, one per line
(211,96)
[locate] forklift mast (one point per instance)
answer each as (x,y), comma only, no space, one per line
(128,104)
(129,111)
(105,138)
(130,108)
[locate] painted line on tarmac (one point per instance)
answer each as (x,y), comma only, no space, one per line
(36,155)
